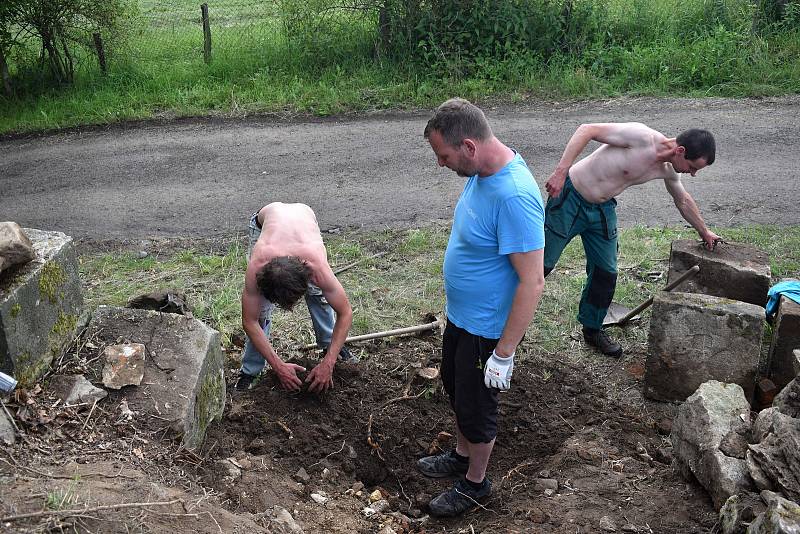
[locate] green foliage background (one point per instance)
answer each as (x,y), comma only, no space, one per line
(333,56)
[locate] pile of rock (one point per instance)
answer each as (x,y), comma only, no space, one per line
(705,347)
(156,361)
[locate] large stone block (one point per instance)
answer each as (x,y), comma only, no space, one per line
(184,381)
(704,421)
(732,270)
(695,338)
(785,339)
(39,306)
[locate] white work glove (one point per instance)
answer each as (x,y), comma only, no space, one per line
(497,371)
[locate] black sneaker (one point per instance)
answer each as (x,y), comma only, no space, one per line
(244,383)
(601,340)
(460,498)
(442,465)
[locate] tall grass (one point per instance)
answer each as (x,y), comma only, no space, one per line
(299,56)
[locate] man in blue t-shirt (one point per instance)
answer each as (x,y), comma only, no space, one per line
(493,278)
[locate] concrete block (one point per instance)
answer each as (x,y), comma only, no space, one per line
(695,338)
(785,339)
(732,270)
(183,373)
(39,307)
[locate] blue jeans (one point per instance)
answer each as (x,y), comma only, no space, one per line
(322,316)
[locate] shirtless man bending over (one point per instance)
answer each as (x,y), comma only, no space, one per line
(287,260)
(582,203)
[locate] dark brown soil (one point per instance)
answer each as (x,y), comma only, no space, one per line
(584,424)
(557,421)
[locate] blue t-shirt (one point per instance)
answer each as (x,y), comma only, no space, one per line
(495,216)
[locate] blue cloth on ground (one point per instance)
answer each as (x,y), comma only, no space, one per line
(789,288)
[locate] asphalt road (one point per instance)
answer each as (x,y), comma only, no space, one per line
(202,178)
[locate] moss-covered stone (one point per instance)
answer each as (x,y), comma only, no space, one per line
(27,371)
(15,309)
(208,401)
(51,279)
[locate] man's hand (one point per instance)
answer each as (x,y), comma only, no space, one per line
(497,371)
(710,240)
(287,374)
(555,183)
(320,377)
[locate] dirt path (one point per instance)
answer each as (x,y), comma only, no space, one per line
(201,178)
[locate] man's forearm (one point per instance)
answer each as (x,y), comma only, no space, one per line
(523,308)
(574,147)
(691,214)
(262,344)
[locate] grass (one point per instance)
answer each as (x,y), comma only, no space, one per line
(398,288)
(646,47)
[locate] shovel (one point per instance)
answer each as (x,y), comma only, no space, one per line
(618,315)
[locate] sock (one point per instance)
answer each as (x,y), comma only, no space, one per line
(462,459)
(475,485)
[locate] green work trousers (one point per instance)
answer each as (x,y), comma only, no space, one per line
(569,215)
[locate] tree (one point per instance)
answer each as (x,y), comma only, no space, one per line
(56,27)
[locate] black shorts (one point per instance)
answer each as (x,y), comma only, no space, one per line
(463,358)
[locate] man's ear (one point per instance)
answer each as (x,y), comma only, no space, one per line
(680,150)
(471,146)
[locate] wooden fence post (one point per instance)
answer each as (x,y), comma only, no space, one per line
(206,34)
(101,53)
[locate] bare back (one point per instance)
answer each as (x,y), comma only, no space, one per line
(629,158)
(289,230)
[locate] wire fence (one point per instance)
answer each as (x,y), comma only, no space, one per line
(183,30)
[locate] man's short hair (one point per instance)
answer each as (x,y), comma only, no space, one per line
(284,280)
(458,119)
(698,144)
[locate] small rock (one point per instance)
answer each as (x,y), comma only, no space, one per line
(285,521)
(326,473)
(7,435)
(422,500)
(15,247)
(302,476)
(75,389)
(124,365)
(245,463)
(351,452)
(537,516)
(376,508)
(387,529)
(607,524)
(542,484)
(630,528)
(357,486)
(319,498)
(549,492)
(544,473)
(375,496)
